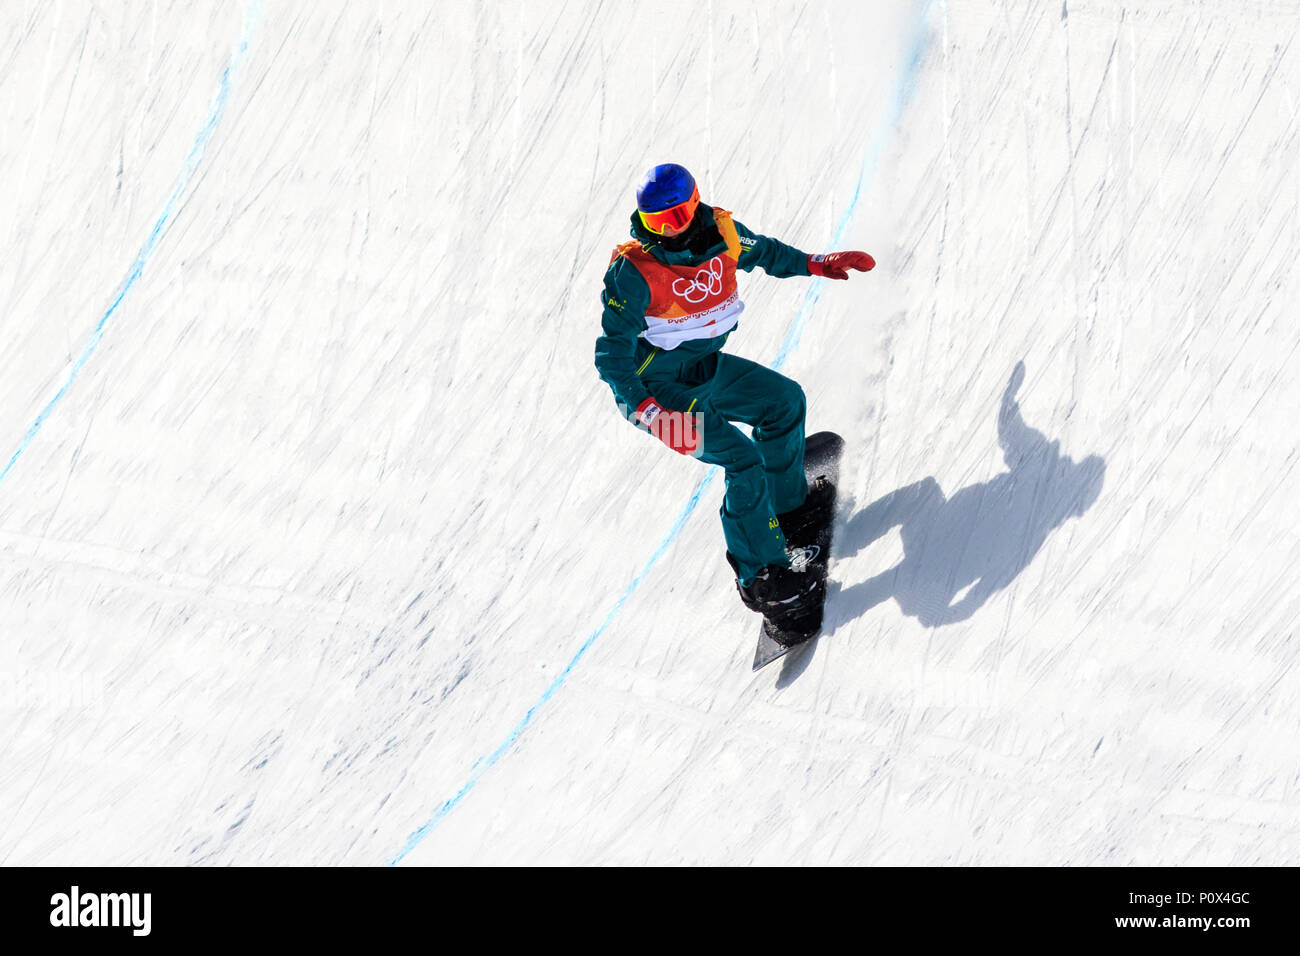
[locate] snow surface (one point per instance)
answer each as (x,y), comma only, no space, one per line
(321,542)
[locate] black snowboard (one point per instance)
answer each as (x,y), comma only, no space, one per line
(807,530)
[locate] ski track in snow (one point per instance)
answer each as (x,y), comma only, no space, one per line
(295,526)
(155,234)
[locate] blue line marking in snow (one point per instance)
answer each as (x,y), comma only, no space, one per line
(485,763)
(902,93)
(155,234)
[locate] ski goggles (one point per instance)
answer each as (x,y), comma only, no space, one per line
(671,221)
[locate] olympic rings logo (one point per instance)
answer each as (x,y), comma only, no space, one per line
(707,282)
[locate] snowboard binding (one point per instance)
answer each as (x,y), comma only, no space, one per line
(792,599)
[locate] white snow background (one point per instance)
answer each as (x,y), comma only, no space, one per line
(321,541)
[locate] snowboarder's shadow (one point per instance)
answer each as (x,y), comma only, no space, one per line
(960,551)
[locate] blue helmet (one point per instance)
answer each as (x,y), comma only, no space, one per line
(666,185)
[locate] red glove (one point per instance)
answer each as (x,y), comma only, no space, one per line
(680,431)
(835,265)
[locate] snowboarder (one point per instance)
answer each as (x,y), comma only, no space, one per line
(670,303)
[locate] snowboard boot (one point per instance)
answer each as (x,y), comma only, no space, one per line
(800,526)
(783,595)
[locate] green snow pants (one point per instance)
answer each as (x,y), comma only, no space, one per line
(764,474)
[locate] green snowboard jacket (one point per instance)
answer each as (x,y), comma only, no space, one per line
(621,351)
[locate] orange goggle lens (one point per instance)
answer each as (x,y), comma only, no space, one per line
(674,219)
